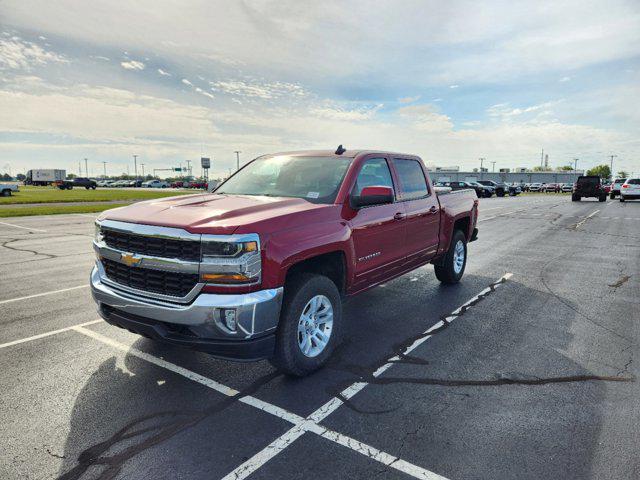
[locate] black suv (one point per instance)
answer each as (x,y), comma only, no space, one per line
(589,186)
(77,182)
(481,191)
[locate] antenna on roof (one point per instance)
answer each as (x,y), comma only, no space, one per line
(340,150)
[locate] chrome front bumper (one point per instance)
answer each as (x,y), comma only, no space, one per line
(257,313)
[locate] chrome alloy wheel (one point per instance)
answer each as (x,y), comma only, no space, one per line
(458,257)
(315,325)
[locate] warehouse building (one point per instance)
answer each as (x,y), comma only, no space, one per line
(521,175)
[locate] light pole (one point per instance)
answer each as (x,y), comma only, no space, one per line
(189,167)
(135,165)
(104,169)
(482,159)
(612,157)
(237,152)
(142,165)
(493,166)
(575,168)
(86,168)
(79,168)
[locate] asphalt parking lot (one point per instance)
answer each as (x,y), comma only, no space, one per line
(524,370)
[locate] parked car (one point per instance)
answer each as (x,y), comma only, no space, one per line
(196,184)
(588,186)
(259,269)
(567,188)
(535,187)
(155,184)
(551,187)
(480,190)
(485,191)
(630,189)
(6,189)
(615,187)
(103,183)
(120,183)
(177,184)
(500,188)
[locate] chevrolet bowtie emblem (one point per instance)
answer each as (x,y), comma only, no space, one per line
(129,259)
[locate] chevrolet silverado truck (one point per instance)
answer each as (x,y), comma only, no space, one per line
(259,268)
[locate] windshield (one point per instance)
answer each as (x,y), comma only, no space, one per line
(316,179)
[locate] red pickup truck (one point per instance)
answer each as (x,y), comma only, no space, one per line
(258,268)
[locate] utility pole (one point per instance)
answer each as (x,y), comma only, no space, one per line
(612,157)
(575,168)
(542,158)
(493,166)
(135,165)
(79,168)
(237,152)
(142,165)
(104,167)
(482,159)
(189,167)
(86,168)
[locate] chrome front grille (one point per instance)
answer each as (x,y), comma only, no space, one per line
(173,284)
(187,250)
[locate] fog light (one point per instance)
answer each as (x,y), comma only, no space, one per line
(229,317)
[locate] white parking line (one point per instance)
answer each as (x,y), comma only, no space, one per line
(581,222)
(47,334)
(290,436)
(25,228)
(301,425)
(42,294)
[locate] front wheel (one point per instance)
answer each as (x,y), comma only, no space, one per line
(455,260)
(602,198)
(310,325)
(575,198)
(612,196)
(5,193)
(621,198)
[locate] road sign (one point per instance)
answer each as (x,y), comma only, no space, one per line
(206,162)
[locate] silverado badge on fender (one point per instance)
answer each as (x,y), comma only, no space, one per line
(130,260)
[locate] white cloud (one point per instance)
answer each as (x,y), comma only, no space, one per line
(19,54)
(187,82)
(454,86)
(344,114)
(425,118)
(132,65)
(409,99)
(163,73)
(258,90)
(565,79)
(505,111)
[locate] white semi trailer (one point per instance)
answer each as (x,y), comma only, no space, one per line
(45,176)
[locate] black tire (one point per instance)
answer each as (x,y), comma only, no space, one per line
(446,272)
(70,187)
(575,198)
(93,187)
(5,193)
(87,188)
(288,356)
(602,198)
(500,193)
(612,196)
(621,198)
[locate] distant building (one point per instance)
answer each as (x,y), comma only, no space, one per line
(510,177)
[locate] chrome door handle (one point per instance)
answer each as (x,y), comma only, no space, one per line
(433,209)
(399,216)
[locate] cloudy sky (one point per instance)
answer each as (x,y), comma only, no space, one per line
(451,81)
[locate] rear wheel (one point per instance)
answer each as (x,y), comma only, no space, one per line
(602,198)
(454,261)
(575,198)
(310,325)
(621,198)
(5,193)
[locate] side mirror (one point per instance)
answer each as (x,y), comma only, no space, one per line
(372,196)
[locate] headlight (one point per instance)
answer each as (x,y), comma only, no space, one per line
(236,262)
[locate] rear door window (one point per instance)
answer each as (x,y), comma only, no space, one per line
(411,177)
(634,181)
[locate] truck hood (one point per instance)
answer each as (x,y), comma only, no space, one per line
(209,213)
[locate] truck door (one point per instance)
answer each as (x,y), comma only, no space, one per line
(422,209)
(378,231)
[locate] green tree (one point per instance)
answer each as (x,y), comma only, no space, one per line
(567,168)
(602,171)
(623,174)
(539,168)
(21,177)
